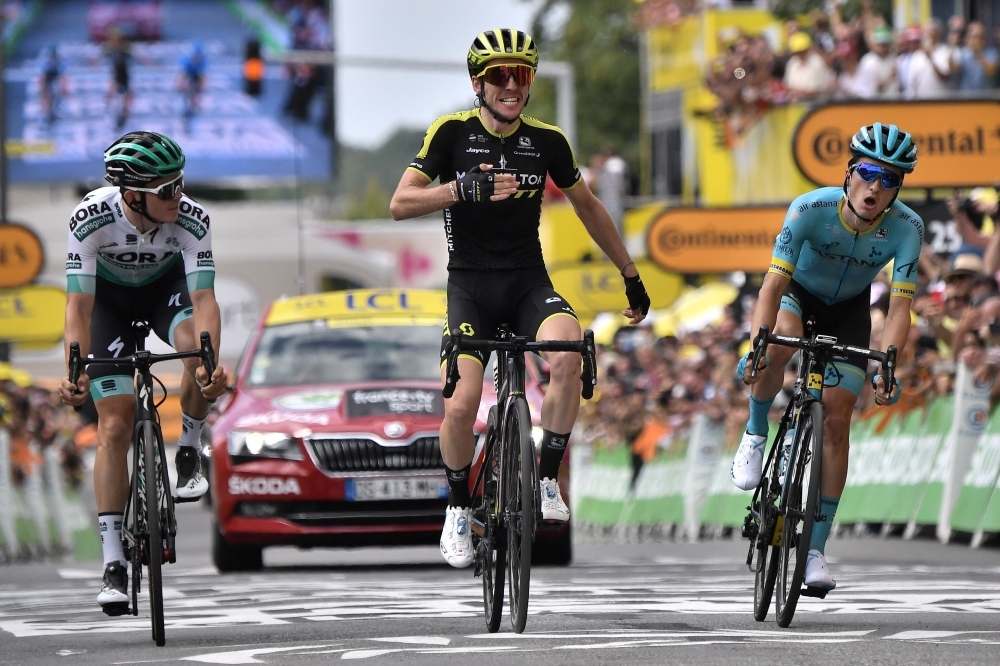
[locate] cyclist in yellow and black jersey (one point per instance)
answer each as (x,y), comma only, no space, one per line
(492,162)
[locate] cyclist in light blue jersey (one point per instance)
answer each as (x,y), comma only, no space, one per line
(832,246)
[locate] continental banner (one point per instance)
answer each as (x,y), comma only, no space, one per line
(715,240)
(958,141)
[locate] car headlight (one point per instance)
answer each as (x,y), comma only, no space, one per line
(263,445)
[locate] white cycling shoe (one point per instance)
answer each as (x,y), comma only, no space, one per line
(817,571)
(749,461)
(553,506)
(456,537)
(113,597)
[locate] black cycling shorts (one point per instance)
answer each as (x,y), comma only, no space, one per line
(479,301)
(849,321)
(164,304)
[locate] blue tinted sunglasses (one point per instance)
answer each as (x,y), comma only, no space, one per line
(869,172)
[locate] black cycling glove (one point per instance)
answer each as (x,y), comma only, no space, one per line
(635,291)
(475,186)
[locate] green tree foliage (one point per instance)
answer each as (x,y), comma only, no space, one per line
(601,40)
(372,204)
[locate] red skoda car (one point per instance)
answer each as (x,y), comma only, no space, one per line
(330,436)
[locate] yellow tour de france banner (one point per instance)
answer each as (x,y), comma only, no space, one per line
(958,142)
(32,315)
(594,287)
(715,240)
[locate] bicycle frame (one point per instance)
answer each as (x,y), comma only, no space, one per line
(817,352)
(136,532)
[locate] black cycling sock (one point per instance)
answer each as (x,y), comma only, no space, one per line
(458,486)
(553,448)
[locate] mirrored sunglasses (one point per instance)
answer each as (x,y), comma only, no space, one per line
(869,172)
(498,75)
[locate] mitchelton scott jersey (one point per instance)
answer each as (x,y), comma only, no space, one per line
(834,262)
(496,235)
(102,242)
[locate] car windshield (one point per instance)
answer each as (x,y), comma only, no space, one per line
(313,353)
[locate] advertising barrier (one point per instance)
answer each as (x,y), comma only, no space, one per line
(40,516)
(957,140)
(715,240)
(903,468)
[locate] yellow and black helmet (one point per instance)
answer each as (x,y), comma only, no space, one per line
(501,43)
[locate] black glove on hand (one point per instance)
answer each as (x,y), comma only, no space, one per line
(635,291)
(476,185)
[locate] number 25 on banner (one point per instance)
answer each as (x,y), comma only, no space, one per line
(21,256)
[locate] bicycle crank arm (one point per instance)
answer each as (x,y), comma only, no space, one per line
(478,527)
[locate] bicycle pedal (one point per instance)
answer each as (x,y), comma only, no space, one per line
(116,609)
(478,527)
(815,592)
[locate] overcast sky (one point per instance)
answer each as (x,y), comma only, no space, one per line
(372,103)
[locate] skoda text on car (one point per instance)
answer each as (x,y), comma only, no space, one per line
(330,436)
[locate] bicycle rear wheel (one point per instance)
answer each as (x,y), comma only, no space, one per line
(153,488)
(803,478)
(519,466)
(492,546)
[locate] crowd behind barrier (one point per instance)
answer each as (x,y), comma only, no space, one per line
(42,474)
(828,58)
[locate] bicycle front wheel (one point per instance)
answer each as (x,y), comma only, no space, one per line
(519,479)
(803,478)
(153,488)
(491,548)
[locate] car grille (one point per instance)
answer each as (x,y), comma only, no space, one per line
(366,455)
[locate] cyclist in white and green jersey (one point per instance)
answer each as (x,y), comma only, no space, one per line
(139,250)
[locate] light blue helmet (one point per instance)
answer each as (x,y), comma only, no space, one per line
(886,143)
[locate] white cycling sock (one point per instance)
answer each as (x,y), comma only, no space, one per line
(191,432)
(111,537)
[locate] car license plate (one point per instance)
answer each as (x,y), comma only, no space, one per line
(367,490)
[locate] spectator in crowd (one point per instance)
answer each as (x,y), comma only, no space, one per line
(807,75)
(975,63)
(909,43)
(878,66)
(930,66)
(851,83)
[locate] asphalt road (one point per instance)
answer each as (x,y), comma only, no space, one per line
(897,603)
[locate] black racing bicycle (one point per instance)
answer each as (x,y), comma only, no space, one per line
(506,505)
(786,502)
(149,528)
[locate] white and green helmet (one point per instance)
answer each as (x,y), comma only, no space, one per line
(139,158)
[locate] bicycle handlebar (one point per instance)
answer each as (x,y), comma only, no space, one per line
(206,354)
(458,343)
(825,343)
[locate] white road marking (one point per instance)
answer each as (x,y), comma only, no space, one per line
(416,640)
(195,601)
(244,656)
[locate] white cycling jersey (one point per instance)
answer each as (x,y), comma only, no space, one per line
(102,242)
